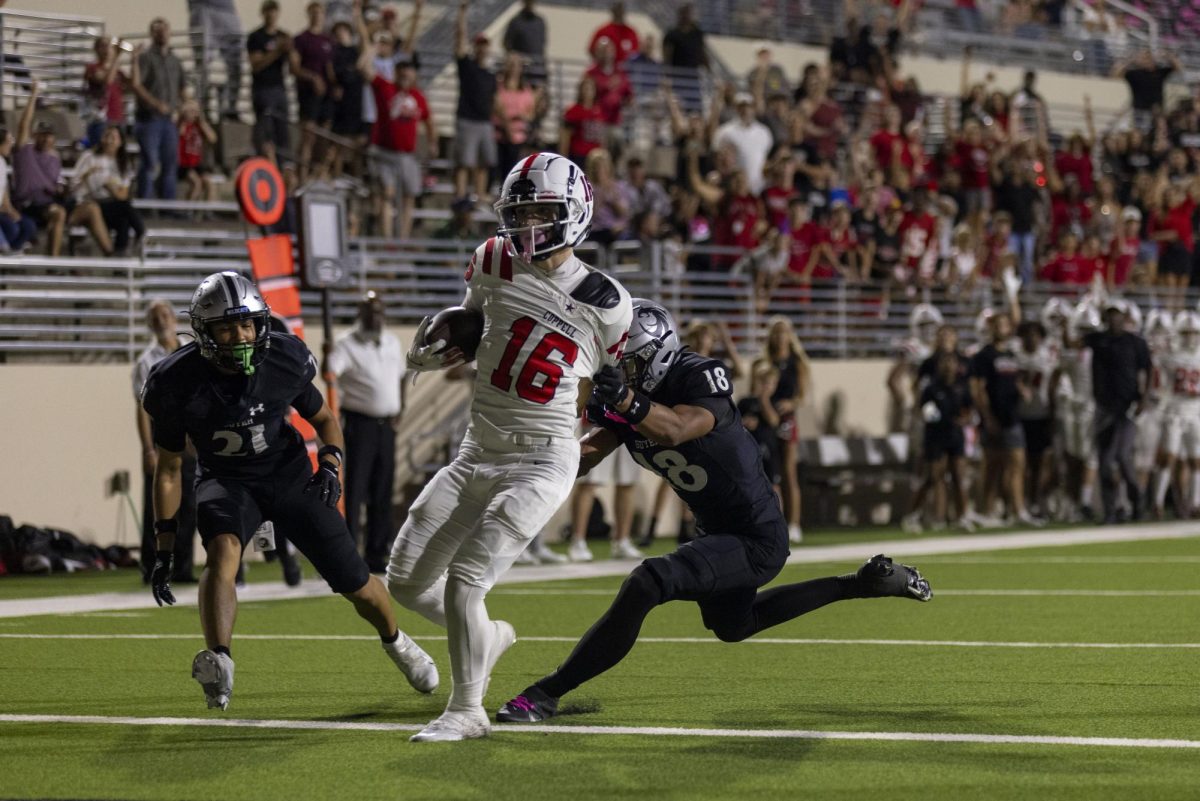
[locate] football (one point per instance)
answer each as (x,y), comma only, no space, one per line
(460,327)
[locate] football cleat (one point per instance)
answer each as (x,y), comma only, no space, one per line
(531,706)
(215,673)
(883,578)
(453,726)
(416,665)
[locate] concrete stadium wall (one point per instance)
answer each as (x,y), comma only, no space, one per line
(67,428)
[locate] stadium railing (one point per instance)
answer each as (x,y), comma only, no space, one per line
(92,309)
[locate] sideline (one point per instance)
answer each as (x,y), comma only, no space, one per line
(851,552)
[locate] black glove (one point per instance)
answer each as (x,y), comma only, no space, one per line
(608,386)
(325,483)
(160,578)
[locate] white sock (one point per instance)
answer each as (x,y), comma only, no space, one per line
(469,635)
(1085,494)
(1195,499)
(1162,480)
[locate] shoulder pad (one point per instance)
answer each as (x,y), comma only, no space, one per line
(493,258)
(597,290)
(289,352)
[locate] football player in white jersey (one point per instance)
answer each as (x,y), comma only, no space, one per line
(1079,410)
(1037,359)
(1181,416)
(902,380)
(1158,331)
(551,322)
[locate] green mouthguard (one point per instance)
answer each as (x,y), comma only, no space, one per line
(244,352)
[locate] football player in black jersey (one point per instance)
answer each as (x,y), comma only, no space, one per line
(230,392)
(673,410)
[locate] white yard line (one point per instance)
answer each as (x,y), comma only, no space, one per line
(850,553)
(649,640)
(937,593)
(638,731)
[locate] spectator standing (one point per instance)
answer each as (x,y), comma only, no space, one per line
(765,79)
(783,350)
(17,229)
(162,322)
(1120,371)
(684,50)
(749,138)
(314,48)
(474,138)
(648,193)
(518,105)
(36,190)
(1171,227)
(103,176)
(762,421)
(996,392)
(526,37)
(1126,245)
(612,199)
(401,106)
(196,136)
(349,89)
(104,88)
(613,90)
(645,70)
(221,29)
(1146,76)
(158,82)
(271,52)
(623,38)
(583,128)
(369,365)
(1016,195)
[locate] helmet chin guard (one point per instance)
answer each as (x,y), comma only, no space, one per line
(228,297)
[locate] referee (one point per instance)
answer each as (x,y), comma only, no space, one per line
(369,365)
(1120,371)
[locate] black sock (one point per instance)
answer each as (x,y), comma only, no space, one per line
(221,649)
(781,604)
(389,640)
(611,638)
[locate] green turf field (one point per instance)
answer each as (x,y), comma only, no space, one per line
(915,668)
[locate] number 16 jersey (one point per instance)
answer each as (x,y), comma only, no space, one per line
(543,332)
(720,475)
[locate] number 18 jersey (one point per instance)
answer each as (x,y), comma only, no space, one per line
(542,333)
(720,475)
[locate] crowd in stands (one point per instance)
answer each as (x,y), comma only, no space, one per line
(842,172)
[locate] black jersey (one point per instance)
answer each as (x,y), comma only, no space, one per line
(238,424)
(719,475)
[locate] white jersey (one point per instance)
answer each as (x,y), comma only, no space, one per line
(1077,368)
(542,333)
(1035,369)
(1181,371)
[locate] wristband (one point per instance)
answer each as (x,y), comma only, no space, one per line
(331,450)
(168,526)
(639,407)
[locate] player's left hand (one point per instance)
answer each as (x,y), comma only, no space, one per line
(160,578)
(325,483)
(609,387)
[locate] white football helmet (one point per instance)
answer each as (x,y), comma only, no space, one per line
(1187,322)
(230,297)
(921,316)
(1085,319)
(1159,323)
(545,205)
(1134,318)
(1055,312)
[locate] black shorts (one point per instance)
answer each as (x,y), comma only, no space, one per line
(716,564)
(38,211)
(238,506)
(314,107)
(1175,260)
(1039,435)
(939,446)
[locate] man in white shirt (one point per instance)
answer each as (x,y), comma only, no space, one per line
(369,365)
(750,139)
(161,320)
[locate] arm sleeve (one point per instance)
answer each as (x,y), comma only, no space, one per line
(169,433)
(308,402)
(708,386)
(614,330)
